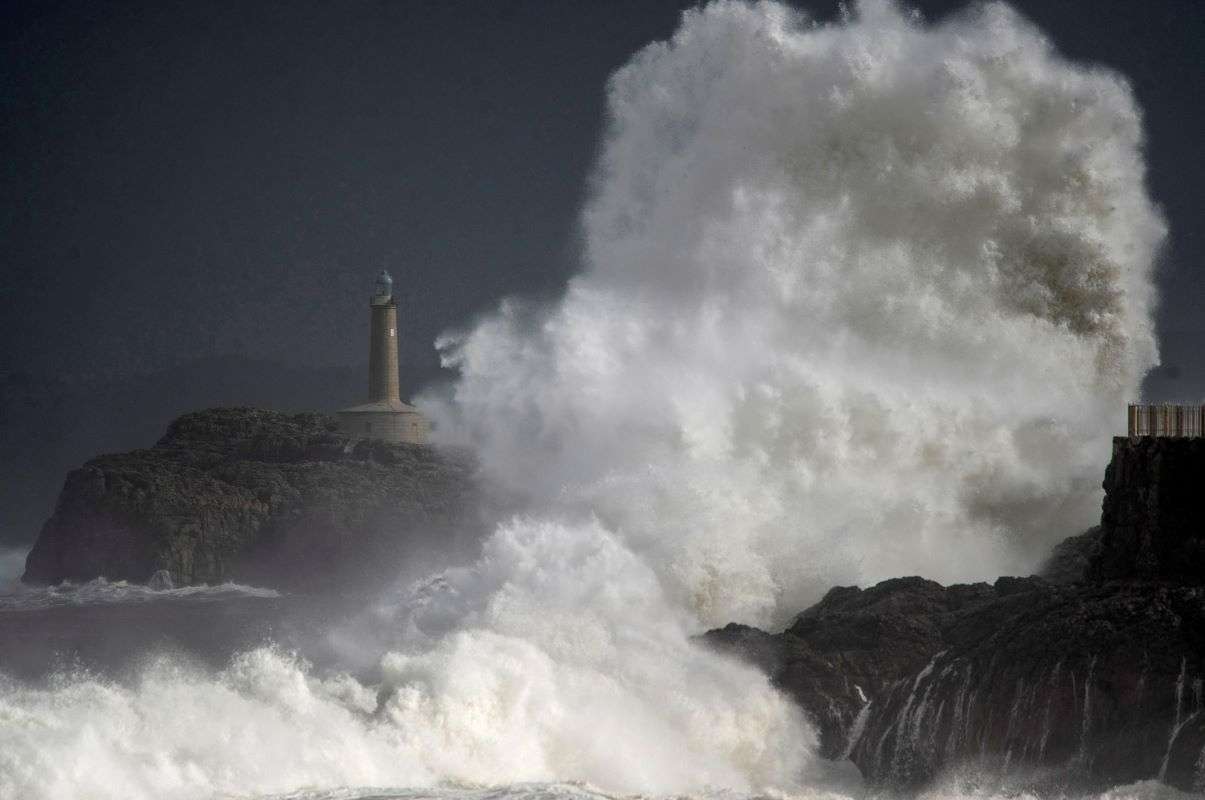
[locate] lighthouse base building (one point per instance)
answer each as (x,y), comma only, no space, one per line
(388,420)
(384,416)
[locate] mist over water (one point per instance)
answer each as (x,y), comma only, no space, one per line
(856,301)
(12,564)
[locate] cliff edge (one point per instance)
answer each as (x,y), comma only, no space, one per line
(257,496)
(1154,511)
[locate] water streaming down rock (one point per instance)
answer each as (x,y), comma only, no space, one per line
(1077,685)
(1046,681)
(859,725)
(1176,723)
(1052,681)
(805,245)
(1183,719)
(1080,683)
(1084,755)
(909,723)
(963,702)
(1179,726)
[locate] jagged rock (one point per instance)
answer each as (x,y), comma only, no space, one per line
(1090,676)
(253,495)
(852,645)
(1076,684)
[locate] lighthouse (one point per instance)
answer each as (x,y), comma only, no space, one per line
(384,416)
(383,384)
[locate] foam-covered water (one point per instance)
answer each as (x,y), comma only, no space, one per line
(1148,790)
(857,300)
(101,591)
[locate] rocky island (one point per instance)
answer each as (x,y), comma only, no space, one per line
(1087,676)
(243,494)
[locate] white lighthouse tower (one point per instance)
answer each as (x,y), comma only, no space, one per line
(384,416)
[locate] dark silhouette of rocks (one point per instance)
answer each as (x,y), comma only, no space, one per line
(53,424)
(1070,558)
(1152,517)
(255,496)
(1088,676)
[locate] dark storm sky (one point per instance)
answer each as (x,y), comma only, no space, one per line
(182,179)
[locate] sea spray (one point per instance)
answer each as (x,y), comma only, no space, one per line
(262,725)
(560,655)
(12,562)
(857,300)
(555,655)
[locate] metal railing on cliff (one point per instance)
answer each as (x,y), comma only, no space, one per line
(1165,420)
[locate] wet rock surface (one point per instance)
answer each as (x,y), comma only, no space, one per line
(1088,676)
(1082,686)
(255,496)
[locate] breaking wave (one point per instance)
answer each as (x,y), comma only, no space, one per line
(857,300)
(536,664)
(12,564)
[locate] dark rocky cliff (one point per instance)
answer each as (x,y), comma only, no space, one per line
(1087,676)
(258,496)
(1153,517)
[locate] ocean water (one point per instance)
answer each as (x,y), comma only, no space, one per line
(212,715)
(855,300)
(100,591)
(564,791)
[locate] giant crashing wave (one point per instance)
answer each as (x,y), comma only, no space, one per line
(857,300)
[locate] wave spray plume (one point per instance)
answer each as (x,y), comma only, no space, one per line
(857,300)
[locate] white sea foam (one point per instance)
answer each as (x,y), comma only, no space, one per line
(554,656)
(100,591)
(263,725)
(967,787)
(858,300)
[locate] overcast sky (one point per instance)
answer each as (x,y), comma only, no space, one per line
(183,179)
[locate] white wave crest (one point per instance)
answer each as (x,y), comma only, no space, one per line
(556,655)
(263,725)
(859,300)
(100,592)
(559,656)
